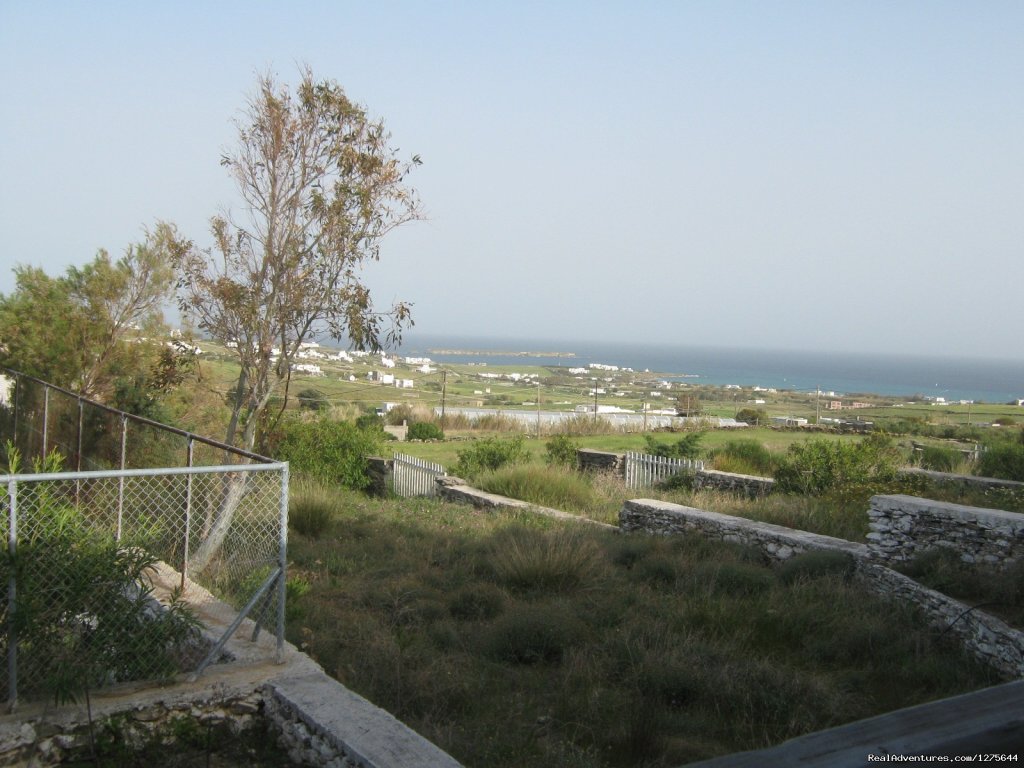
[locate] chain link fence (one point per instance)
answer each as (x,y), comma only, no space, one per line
(84,547)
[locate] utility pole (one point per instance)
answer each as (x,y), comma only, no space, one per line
(444,389)
(817,404)
(644,408)
(595,402)
(538,410)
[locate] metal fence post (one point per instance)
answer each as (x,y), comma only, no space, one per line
(17,390)
(12,637)
(188,515)
(282,582)
(120,480)
(78,459)
(46,417)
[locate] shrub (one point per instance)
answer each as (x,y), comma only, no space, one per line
(752,416)
(477,601)
(398,415)
(561,450)
(533,634)
(311,506)
(560,560)
(425,430)
(313,399)
(489,454)
(332,451)
(815,564)
(736,579)
(85,614)
(546,486)
(686,447)
(748,457)
(1004,461)
(821,466)
(939,458)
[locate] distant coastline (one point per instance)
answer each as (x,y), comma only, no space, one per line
(497,353)
(952,377)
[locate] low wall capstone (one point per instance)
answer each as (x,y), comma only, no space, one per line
(600,461)
(964,481)
(905,526)
(749,485)
(778,542)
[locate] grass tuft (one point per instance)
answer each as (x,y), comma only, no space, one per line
(311,506)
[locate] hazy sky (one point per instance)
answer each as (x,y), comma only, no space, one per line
(778,174)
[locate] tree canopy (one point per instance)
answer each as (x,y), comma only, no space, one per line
(321,187)
(82,330)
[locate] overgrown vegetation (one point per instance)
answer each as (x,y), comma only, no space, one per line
(820,466)
(1003,461)
(688,446)
(85,614)
(334,452)
(489,454)
(517,640)
(996,591)
(543,485)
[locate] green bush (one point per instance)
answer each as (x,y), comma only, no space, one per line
(424,430)
(85,615)
(313,399)
(939,458)
(561,450)
(686,447)
(754,416)
(821,466)
(1005,462)
(489,454)
(332,451)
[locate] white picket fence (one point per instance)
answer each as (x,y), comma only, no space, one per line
(644,470)
(415,477)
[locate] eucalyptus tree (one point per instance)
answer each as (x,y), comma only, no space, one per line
(320,186)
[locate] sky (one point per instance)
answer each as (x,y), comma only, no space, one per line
(785,175)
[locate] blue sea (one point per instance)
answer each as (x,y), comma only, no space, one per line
(980,380)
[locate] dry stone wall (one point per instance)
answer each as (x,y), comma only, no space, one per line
(986,637)
(749,485)
(964,481)
(904,526)
(600,461)
(778,542)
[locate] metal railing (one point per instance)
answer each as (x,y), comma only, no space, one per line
(84,546)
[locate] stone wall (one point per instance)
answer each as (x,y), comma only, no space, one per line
(965,481)
(989,639)
(749,485)
(984,636)
(380,471)
(455,490)
(600,461)
(778,542)
(904,526)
